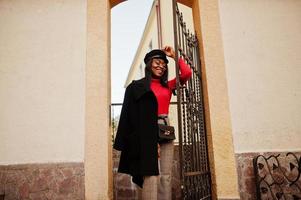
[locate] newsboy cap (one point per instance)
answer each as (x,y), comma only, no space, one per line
(156,53)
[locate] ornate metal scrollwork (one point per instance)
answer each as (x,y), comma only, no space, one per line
(278,177)
(194,162)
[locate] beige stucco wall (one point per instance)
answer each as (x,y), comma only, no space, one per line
(262,45)
(42,82)
(98,144)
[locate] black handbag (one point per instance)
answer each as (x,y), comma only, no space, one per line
(166,133)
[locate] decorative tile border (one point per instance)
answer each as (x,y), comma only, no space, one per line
(57,181)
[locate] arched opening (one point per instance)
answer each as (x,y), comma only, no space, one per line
(98,96)
(116,2)
(184,2)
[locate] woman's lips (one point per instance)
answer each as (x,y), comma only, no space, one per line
(159,71)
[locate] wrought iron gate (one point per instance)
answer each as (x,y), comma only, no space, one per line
(194,162)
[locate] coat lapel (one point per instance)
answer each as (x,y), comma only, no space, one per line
(141,88)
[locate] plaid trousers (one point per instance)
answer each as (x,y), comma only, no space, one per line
(159,187)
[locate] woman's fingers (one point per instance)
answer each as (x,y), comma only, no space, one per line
(167,48)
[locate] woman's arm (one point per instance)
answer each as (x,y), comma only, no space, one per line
(185,71)
(185,74)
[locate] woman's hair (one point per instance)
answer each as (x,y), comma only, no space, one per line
(148,74)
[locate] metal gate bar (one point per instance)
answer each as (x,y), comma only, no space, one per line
(194,162)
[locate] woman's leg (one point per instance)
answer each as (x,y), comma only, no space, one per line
(150,188)
(166,162)
(159,187)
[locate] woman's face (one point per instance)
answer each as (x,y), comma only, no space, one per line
(158,67)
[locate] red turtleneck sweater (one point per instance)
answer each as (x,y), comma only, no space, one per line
(163,94)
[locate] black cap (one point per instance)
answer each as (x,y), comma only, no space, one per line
(156,53)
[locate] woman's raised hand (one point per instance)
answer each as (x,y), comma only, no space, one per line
(168,50)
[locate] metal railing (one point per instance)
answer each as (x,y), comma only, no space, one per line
(114,118)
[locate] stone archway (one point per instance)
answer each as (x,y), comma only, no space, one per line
(188,3)
(116,2)
(98,153)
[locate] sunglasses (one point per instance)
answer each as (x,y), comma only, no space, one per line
(159,63)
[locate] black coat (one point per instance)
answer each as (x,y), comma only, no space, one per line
(137,132)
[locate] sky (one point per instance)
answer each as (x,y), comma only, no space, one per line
(128,20)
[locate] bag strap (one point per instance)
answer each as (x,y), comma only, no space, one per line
(164,119)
